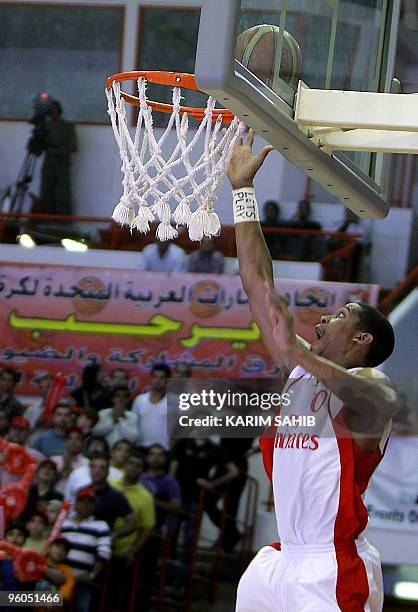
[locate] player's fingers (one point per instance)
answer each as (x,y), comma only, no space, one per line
(250,139)
(264,152)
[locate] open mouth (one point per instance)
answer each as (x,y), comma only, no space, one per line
(320,332)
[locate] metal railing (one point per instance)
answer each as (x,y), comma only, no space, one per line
(399,292)
(334,250)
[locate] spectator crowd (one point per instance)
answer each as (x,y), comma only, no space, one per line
(130,485)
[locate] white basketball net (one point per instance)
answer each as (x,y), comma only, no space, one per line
(153,183)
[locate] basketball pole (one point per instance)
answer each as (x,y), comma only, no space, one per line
(358,120)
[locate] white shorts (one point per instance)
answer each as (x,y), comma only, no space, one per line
(316,578)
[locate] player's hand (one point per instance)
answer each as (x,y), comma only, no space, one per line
(283,327)
(244,165)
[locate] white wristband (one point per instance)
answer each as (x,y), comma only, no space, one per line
(244,204)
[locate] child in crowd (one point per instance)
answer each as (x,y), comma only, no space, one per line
(16,534)
(57,553)
(37,527)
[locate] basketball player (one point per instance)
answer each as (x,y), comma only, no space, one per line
(323,563)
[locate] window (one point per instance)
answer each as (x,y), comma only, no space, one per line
(64,50)
(167,41)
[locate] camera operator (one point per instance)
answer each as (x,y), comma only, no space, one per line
(59,143)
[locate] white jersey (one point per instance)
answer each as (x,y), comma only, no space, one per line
(319,474)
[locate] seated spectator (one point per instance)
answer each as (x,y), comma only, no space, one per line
(361,257)
(165,489)
(57,554)
(110,503)
(52,441)
(142,504)
(151,408)
(71,459)
(85,422)
(37,526)
(90,546)
(118,422)
(92,393)
(9,377)
(276,243)
(15,534)
(305,247)
(35,411)
(81,477)
(302,217)
(119,454)
(43,489)
(182,370)
(163,257)
(200,464)
(206,260)
(119,378)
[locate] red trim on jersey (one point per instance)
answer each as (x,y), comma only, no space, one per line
(352,588)
(276,545)
(267,439)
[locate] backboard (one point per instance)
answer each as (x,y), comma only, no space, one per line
(345,45)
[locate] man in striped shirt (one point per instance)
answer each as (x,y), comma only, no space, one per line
(90,546)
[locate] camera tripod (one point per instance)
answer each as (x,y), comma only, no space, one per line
(23,181)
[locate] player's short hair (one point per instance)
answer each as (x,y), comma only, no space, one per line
(374,322)
(161,367)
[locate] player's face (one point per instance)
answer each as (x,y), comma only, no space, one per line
(336,332)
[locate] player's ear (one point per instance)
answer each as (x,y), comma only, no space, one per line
(363,338)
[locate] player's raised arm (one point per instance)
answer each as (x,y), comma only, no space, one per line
(254,258)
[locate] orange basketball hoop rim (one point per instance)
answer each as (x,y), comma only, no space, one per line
(170,79)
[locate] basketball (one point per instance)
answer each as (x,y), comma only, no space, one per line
(257,48)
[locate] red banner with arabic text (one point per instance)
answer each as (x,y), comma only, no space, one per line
(58,319)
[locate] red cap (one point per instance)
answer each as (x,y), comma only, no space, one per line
(20,422)
(86,492)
